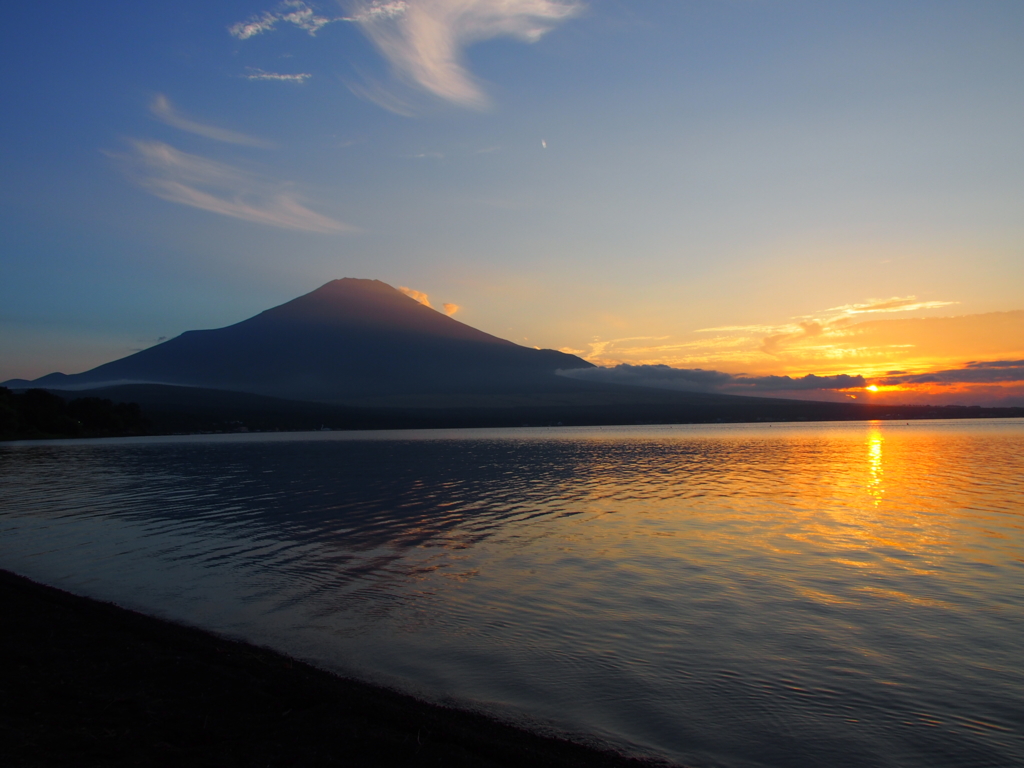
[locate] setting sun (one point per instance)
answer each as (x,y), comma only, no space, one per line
(871,388)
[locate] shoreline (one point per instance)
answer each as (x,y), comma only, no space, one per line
(405,433)
(89,683)
(159,409)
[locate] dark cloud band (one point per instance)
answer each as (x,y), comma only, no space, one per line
(700,380)
(992,372)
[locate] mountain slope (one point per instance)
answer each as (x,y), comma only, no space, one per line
(347,340)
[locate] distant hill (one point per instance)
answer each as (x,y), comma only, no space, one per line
(350,340)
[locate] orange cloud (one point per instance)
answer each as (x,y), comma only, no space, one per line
(450,309)
(965,359)
(937,360)
(833,320)
(895,304)
(773,344)
(420,296)
(870,347)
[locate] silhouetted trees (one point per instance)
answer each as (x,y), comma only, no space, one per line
(8,413)
(37,413)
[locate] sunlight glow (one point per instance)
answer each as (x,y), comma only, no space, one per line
(875,469)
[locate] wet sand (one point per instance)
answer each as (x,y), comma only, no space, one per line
(84,683)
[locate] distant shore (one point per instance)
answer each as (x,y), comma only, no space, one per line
(156,409)
(89,683)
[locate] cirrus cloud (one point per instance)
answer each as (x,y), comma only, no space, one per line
(289,12)
(831,322)
(199,182)
(895,304)
(423,40)
(259,74)
(162,108)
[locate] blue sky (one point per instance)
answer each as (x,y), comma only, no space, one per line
(608,177)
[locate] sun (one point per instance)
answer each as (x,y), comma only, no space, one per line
(871,387)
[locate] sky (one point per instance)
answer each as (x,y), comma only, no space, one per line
(811,199)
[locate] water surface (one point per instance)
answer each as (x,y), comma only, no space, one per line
(831,594)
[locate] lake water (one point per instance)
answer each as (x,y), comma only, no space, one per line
(847,594)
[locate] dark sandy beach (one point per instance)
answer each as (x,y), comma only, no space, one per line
(85,683)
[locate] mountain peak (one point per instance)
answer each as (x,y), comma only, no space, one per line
(349,338)
(355,286)
(358,303)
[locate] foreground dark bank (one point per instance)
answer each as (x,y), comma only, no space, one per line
(88,683)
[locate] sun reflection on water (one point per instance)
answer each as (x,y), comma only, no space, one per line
(876,473)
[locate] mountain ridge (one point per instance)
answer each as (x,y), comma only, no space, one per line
(349,338)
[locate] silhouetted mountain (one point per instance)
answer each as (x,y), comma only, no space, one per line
(346,341)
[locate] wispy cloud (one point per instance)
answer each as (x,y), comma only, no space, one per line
(655,350)
(378,10)
(289,12)
(910,355)
(385,98)
(162,108)
(832,321)
(213,186)
(739,329)
(448,308)
(895,304)
(807,329)
(259,74)
(599,347)
(423,40)
(412,293)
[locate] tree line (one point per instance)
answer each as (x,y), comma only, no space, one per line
(37,413)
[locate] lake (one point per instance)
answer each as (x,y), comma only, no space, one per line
(839,594)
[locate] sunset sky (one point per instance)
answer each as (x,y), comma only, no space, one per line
(755,189)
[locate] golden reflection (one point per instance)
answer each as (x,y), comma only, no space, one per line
(902,597)
(892,496)
(876,472)
(860,501)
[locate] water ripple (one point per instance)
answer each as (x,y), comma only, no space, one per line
(846,595)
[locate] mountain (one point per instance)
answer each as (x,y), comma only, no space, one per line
(350,340)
